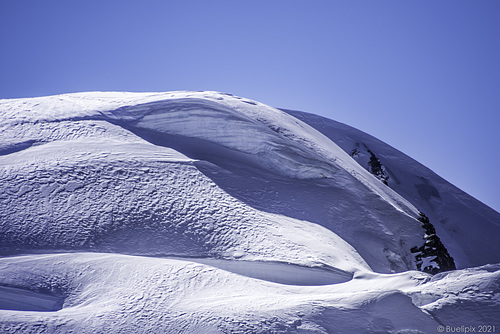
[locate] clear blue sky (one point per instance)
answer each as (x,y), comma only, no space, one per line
(424,76)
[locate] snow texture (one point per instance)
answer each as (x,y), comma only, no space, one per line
(202,212)
(467,227)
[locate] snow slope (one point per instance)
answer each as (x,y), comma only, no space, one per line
(467,227)
(127,294)
(205,212)
(187,193)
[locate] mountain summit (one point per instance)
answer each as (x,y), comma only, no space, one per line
(207,212)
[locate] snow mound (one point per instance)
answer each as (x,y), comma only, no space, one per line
(106,292)
(154,173)
(203,212)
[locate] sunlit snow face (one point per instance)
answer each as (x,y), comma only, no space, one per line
(109,181)
(143,173)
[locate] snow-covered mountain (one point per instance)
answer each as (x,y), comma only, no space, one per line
(202,212)
(467,227)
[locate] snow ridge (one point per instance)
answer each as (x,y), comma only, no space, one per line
(206,212)
(466,227)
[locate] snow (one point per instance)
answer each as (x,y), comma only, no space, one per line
(280,272)
(467,227)
(26,300)
(90,146)
(129,293)
(206,212)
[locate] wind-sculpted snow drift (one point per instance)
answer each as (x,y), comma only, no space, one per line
(230,216)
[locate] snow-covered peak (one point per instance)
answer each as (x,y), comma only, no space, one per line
(227,215)
(267,136)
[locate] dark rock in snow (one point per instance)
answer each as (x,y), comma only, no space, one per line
(432,257)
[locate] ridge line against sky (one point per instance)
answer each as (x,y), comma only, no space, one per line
(422,76)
